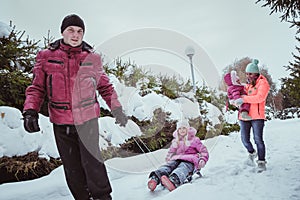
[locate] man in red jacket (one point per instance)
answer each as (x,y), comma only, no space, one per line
(69,73)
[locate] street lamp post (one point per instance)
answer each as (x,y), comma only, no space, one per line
(190,51)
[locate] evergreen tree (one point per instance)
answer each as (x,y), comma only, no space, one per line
(290,86)
(16,53)
(16,61)
(290,10)
(133,75)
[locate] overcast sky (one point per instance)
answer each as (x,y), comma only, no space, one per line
(226,30)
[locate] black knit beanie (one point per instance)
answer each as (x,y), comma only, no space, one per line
(72,20)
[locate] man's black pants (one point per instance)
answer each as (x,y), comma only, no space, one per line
(84,168)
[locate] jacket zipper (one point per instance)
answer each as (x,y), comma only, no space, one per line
(50,85)
(59,107)
(69,79)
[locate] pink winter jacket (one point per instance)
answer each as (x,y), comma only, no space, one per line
(234,90)
(189,148)
(69,77)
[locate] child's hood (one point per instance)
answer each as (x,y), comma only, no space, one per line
(227,79)
(190,134)
(231,78)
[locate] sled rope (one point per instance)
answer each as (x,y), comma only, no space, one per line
(147,156)
(141,148)
(148,150)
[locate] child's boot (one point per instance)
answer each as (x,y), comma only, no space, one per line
(245,116)
(170,183)
(153,182)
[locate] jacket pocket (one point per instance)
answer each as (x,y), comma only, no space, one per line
(56,86)
(56,62)
(87,87)
(50,88)
(87,83)
(53,65)
(56,80)
(60,105)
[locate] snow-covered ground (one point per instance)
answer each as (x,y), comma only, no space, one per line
(226,176)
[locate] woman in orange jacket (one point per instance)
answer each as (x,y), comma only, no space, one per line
(257,90)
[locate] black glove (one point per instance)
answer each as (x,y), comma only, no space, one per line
(31,124)
(121,118)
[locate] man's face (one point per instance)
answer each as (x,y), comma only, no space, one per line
(73,36)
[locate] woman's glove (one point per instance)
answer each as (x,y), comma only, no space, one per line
(121,118)
(238,102)
(31,124)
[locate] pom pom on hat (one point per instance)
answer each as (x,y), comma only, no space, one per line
(182,123)
(252,67)
(72,20)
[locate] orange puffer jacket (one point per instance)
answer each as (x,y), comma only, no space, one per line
(256,96)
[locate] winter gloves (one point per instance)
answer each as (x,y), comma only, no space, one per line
(31,117)
(31,121)
(238,102)
(121,118)
(201,163)
(169,156)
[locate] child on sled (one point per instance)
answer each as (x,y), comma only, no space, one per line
(186,154)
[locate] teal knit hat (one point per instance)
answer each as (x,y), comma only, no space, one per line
(252,67)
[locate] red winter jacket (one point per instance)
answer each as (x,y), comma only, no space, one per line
(69,76)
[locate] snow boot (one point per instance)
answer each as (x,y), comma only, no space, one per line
(261,166)
(245,116)
(170,183)
(153,182)
(251,157)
